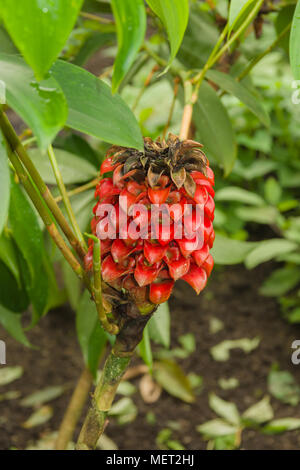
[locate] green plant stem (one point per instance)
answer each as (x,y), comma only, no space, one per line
(105,391)
(45,216)
(258,58)
(99,19)
(215,55)
(16,146)
(97,288)
(65,198)
(79,189)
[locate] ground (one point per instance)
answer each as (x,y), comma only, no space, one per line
(231,296)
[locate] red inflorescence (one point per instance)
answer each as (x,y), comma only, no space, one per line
(147,265)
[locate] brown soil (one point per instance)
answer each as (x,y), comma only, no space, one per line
(232,297)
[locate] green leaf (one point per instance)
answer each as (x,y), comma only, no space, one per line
(216,427)
(267,250)
(43,396)
(26,230)
(145,349)
(93,110)
(73,168)
(229,84)
(282,385)
(234,193)
(13,296)
(39,417)
(6,44)
(281,281)
(9,256)
(260,215)
(229,251)
(273,191)
(260,412)
(237,11)
(124,410)
(224,409)
(72,284)
(91,336)
(171,377)
(12,324)
(130,16)
(159,325)
(282,425)
(41,105)
(40,28)
(294,43)
(174,15)
(221,352)
(214,129)
(4,184)
(10,374)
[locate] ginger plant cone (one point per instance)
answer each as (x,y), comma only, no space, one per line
(146,218)
(154,219)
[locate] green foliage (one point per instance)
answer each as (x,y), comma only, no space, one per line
(130,16)
(40,29)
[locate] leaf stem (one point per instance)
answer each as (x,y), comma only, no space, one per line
(65,198)
(17,147)
(99,19)
(45,215)
(79,189)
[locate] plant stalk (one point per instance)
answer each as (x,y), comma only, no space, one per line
(16,146)
(65,198)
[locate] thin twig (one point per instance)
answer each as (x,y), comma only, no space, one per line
(99,19)
(175,93)
(79,189)
(65,198)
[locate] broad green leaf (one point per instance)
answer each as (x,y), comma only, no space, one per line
(171,377)
(159,325)
(260,412)
(267,250)
(39,417)
(79,146)
(12,324)
(4,184)
(93,110)
(26,230)
(40,28)
(6,44)
(72,284)
(43,396)
(83,205)
(224,409)
(238,9)
(130,16)
(91,336)
(73,168)
(234,193)
(41,105)
(13,296)
(124,411)
(145,349)
(282,385)
(8,254)
(283,19)
(282,425)
(294,43)
(174,15)
(273,191)
(281,281)
(229,251)
(229,84)
(221,352)
(260,215)
(10,374)
(216,427)
(214,129)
